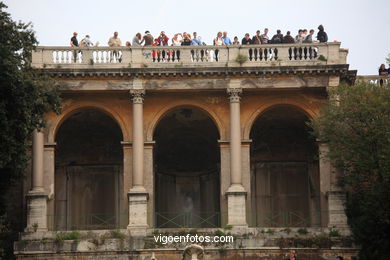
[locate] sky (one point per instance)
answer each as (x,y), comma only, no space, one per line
(362,26)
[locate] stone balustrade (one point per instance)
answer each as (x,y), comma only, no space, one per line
(374,79)
(190,56)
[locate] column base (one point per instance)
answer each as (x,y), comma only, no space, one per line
(36,211)
(337,217)
(236,199)
(138,217)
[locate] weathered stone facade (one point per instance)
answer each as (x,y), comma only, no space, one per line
(136,137)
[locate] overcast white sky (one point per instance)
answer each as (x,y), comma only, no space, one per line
(361,25)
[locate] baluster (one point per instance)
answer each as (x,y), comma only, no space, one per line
(54,54)
(300,53)
(305,53)
(276,54)
(290,53)
(250,53)
(265,54)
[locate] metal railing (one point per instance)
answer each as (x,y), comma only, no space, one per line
(187,219)
(93,221)
(287,218)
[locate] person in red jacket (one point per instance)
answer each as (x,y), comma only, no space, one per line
(162,40)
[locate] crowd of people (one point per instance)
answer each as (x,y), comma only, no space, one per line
(222,38)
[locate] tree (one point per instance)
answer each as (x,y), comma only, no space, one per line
(355,123)
(25,96)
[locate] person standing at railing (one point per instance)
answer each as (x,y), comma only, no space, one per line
(176,41)
(277,38)
(321,35)
(115,42)
(245,41)
(236,41)
(196,41)
(162,40)
(226,39)
(74,43)
(186,39)
(264,37)
(383,72)
(256,39)
(309,39)
(218,41)
(288,38)
(148,39)
(137,40)
(299,38)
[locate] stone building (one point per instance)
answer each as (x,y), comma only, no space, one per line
(218,138)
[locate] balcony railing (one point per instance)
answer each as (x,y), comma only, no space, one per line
(190,56)
(374,79)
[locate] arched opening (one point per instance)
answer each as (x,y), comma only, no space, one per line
(284,170)
(88,172)
(186,170)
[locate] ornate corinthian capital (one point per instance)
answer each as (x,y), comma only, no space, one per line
(234,94)
(137,95)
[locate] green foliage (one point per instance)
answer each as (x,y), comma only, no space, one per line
(302,231)
(270,231)
(219,233)
(228,227)
(241,58)
(322,58)
(25,96)
(355,124)
(117,234)
(74,235)
(334,233)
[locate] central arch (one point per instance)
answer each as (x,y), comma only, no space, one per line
(187,169)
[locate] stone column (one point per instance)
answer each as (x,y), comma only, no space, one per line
(236,195)
(332,196)
(37,197)
(49,180)
(138,195)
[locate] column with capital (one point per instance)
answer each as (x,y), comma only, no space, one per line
(138,196)
(236,194)
(37,196)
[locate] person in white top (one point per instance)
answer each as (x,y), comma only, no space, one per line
(218,41)
(176,41)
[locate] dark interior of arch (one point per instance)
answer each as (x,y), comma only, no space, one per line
(284,169)
(186,169)
(88,166)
